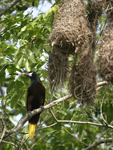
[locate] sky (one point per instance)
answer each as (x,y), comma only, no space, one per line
(43,8)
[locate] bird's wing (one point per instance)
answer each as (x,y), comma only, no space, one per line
(29,102)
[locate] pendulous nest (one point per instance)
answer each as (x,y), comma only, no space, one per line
(83,79)
(71,35)
(105,54)
(70,30)
(58,68)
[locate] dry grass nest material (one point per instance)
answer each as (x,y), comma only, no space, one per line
(105,55)
(83,79)
(58,67)
(70,30)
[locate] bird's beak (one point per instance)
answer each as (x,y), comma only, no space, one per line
(21,73)
(26,74)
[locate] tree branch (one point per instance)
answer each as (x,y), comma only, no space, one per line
(4,129)
(2,134)
(47,119)
(49,126)
(34,112)
(101,114)
(9,7)
(16,139)
(102,83)
(9,143)
(84,122)
(41,138)
(75,137)
(27,117)
(99,137)
(96,143)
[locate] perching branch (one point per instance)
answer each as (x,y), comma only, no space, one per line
(34,112)
(9,7)
(27,117)
(96,143)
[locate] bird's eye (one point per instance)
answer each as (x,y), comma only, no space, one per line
(30,74)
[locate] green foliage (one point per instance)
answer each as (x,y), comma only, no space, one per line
(24,47)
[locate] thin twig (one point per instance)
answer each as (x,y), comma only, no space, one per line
(73,102)
(101,113)
(53,114)
(75,137)
(39,127)
(99,137)
(22,143)
(41,139)
(17,139)
(49,126)
(9,7)
(3,133)
(9,143)
(102,83)
(4,129)
(2,68)
(96,143)
(47,119)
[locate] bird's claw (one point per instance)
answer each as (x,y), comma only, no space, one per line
(29,113)
(42,108)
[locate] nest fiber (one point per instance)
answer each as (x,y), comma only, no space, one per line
(105,54)
(70,30)
(58,67)
(83,79)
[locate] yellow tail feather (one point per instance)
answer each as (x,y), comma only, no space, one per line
(31,130)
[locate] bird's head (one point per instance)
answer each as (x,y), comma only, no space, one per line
(32,75)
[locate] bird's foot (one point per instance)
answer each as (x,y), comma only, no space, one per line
(42,108)
(29,113)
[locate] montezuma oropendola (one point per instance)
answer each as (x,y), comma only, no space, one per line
(35,99)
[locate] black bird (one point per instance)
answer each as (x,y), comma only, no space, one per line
(35,99)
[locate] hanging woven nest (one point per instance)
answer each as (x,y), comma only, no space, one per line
(58,67)
(105,54)
(83,79)
(70,30)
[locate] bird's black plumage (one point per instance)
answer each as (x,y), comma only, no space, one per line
(35,96)
(35,99)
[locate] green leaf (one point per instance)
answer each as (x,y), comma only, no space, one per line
(10,86)
(24,28)
(19,63)
(27,66)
